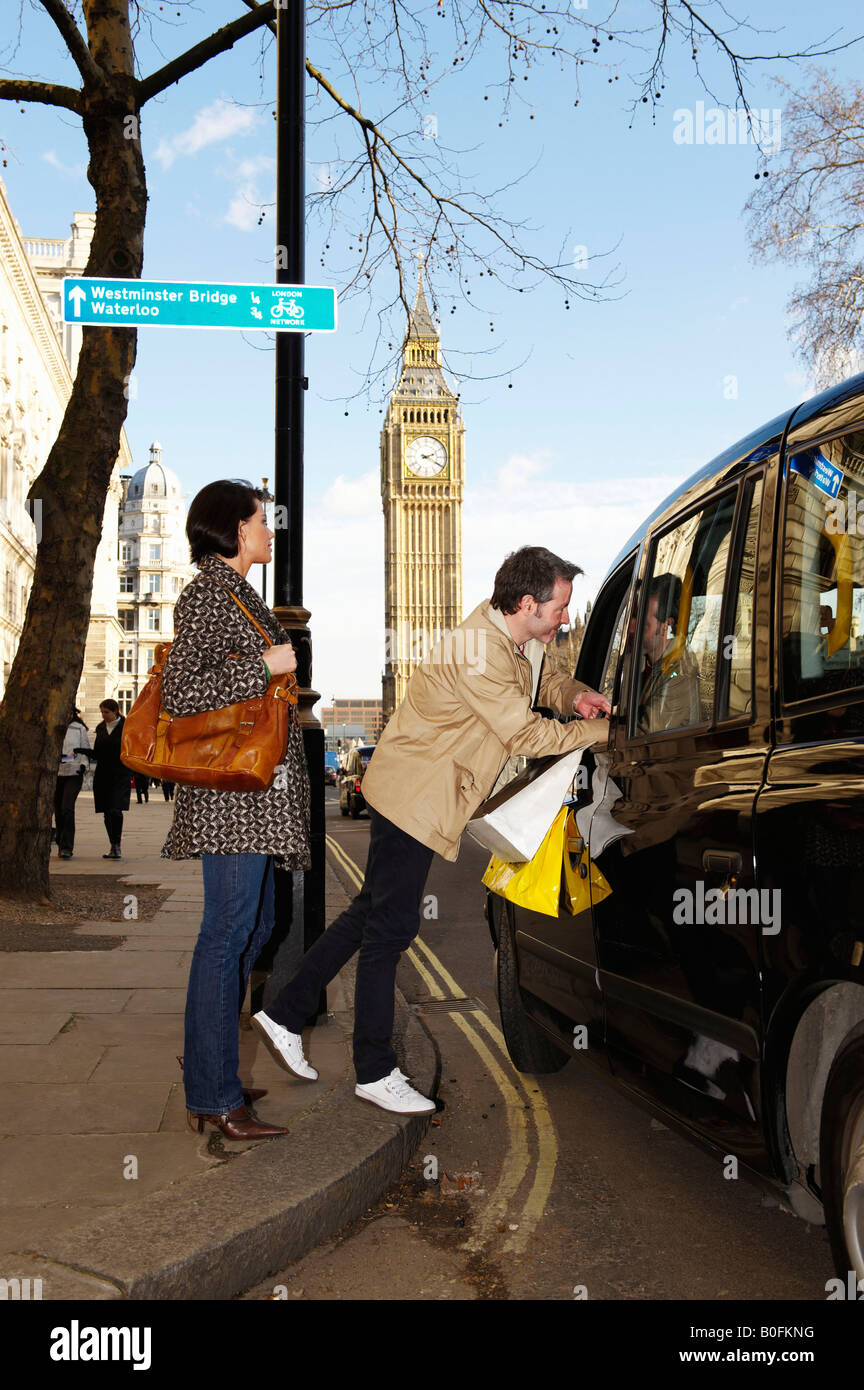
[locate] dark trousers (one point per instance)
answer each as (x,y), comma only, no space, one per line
(381,923)
(114,826)
(65,794)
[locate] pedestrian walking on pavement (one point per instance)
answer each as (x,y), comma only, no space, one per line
(219,658)
(112,782)
(74,761)
(167,790)
(467,709)
(142,786)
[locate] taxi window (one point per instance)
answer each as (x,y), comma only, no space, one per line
(823,577)
(680,621)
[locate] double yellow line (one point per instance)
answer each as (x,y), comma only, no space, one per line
(532,1150)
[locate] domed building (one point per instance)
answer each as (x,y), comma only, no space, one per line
(154,566)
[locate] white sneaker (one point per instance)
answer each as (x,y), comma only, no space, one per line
(394,1092)
(286,1047)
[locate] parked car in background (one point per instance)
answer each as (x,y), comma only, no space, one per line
(351,801)
(716,969)
(330,776)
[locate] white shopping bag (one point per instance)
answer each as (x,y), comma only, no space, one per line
(512,823)
(596,821)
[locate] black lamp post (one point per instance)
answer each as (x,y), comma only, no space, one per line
(299,897)
(266,496)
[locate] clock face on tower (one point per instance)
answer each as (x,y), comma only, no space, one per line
(426,457)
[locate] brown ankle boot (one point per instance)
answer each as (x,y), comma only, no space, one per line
(235,1124)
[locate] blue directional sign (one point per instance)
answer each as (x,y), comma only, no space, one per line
(199,304)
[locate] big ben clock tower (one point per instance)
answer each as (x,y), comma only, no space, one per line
(422,481)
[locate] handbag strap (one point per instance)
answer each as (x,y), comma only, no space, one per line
(245,610)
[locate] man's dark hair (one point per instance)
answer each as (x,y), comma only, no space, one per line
(216,513)
(532,570)
(666,588)
(110,704)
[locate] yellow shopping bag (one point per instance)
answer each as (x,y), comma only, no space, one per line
(537,883)
(580,871)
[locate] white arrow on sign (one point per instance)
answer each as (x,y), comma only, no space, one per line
(77,295)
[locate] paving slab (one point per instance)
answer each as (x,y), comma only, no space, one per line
(127,1028)
(157,1001)
(76,1109)
(23,1228)
(28,1027)
(89,970)
(45,1280)
(149,942)
(65,1059)
(102,1170)
(68,1001)
(127,1062)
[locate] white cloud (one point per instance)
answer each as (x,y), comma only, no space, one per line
(212,124)
(69,171)
(353,496)
(517,472)
(244,209)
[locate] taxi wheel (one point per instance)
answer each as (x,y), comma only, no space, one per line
(343,809)
(842,1156)
(530,1050)
(354,808)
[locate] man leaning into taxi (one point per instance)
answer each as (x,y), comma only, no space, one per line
(467,709)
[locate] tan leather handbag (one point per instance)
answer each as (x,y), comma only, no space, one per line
(237,748)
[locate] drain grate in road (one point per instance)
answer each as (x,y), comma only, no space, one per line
(459,1004)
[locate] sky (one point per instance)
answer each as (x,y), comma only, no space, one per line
(588,415)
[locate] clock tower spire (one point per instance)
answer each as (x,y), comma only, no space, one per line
(422,483)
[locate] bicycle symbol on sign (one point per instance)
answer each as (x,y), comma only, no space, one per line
(286,308)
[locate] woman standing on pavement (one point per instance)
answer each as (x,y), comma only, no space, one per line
(219,658)
(112,781)
(70,776)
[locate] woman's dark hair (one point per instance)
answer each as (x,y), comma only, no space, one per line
(110,704)
(216,513)
(77,718)
(532,570)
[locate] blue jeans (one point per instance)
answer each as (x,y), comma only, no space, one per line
(238,921)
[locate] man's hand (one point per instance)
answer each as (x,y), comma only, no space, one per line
(591,705)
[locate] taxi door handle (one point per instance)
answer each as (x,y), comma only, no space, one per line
(721,861)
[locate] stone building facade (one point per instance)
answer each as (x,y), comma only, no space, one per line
(37,357)
(154,567)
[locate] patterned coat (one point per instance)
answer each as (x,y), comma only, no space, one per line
(199,676)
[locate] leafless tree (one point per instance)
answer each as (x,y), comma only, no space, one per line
(366,56)
(808,209)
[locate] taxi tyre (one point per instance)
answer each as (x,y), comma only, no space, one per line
(842,1135)
(353,808)
(530,1050)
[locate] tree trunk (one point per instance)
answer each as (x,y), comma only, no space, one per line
(74,483)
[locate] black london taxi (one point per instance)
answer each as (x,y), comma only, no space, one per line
(714,968)
(351,798)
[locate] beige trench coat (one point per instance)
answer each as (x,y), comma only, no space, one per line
(467,709)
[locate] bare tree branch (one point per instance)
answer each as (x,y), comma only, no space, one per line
(75,42)
(218,42)
(48,93)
